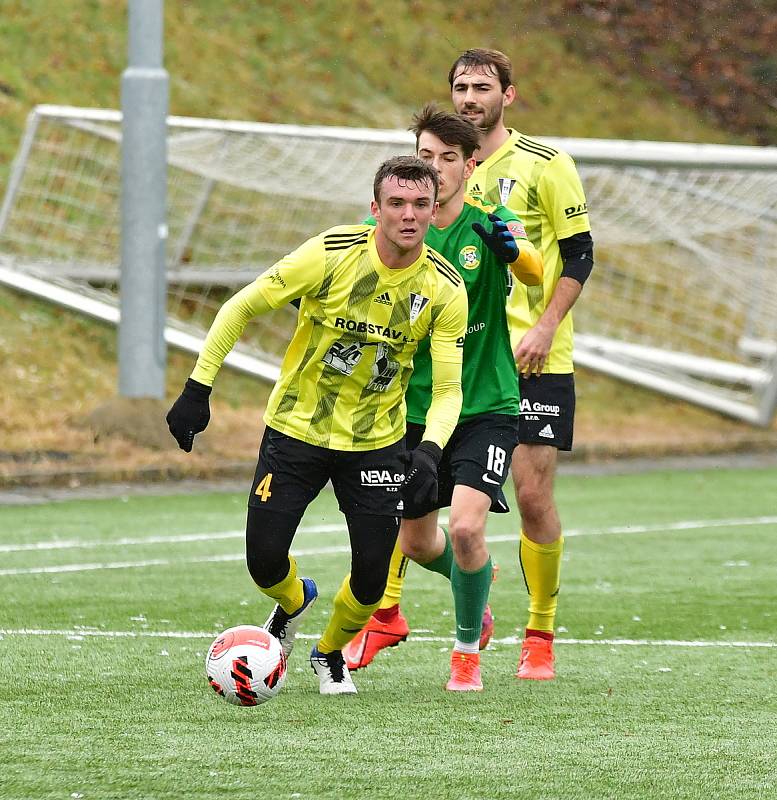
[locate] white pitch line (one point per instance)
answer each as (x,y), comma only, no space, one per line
(682,525)
(72,544)
(78,633)
(160,562)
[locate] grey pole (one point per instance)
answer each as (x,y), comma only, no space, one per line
(143,290)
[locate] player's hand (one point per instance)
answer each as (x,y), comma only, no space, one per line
(190,414)
(532,351)
(420,485)
(499,241)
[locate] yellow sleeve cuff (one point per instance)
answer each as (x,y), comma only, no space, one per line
(528,266)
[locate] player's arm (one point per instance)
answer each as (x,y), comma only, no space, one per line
(532,351)
(447,347)
(528,266)
(293,276)
(577,255)
(507,241)
(561,195)
(227,328)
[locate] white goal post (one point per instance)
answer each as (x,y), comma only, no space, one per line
(683,298)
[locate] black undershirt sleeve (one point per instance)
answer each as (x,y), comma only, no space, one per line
(577,253)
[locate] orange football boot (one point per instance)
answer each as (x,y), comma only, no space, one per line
(465,673)
(536,662)
(372,638)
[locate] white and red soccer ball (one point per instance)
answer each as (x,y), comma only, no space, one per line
(246,666)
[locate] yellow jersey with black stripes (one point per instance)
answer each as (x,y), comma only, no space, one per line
(540,184)
(344,375)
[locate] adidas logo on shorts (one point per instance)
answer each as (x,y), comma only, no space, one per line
(384,298)
(547,432)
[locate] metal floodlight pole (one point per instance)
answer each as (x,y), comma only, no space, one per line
(144,103)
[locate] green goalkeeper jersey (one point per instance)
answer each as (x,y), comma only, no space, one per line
(488,376)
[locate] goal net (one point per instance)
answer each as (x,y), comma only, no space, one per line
(683,298)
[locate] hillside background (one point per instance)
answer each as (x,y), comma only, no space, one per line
(704,70)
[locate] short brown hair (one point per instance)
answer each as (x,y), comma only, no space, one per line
(406,168)
(450,128)
(497,62)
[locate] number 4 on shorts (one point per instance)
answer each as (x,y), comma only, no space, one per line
(263,489)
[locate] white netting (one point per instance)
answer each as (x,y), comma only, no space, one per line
(683,297)
(688,258)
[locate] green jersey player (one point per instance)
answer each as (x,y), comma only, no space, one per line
(481,242)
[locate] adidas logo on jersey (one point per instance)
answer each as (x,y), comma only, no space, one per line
(547,432)
(384,298)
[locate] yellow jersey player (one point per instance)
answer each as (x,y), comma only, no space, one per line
(541,185)
(368,295)
(486,244)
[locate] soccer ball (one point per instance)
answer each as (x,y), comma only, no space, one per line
(246,665)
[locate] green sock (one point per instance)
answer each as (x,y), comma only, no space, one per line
(444,561)
(470,595)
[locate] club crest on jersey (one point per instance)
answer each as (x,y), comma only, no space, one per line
(417,304)
(469,257)
(505,187)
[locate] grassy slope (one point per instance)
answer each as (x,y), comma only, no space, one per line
(352,62)
(348,62)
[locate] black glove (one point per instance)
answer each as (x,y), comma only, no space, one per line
(420,485)
(500,241)
(190,414)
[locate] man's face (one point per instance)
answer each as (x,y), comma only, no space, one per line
(449,162)
(477,95)
(405,211)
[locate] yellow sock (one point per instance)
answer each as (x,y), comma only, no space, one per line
(541,566)
(396,578)
(349,616)
(288,593)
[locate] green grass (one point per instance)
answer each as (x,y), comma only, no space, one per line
(102,700)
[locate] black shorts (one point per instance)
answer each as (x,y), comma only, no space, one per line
(290,474)
(477,454)
(547,410)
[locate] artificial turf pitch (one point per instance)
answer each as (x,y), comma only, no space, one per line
(666,656)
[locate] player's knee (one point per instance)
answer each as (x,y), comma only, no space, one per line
(267,569)
(372,543)
(416,548)
(467,536)
(368,585)
(417,540)
(268,537)
(533,501)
